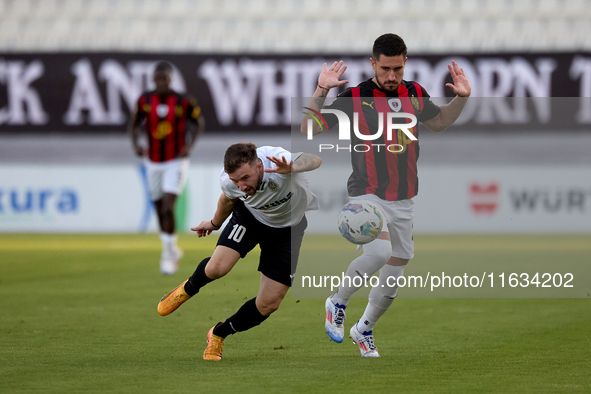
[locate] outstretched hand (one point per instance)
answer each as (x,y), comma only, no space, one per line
(329,78)
(283,167)
(204,228)
(461,85)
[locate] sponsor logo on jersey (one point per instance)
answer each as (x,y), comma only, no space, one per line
(370,105)
(275,203)
(163,129)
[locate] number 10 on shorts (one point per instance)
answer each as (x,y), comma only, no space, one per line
(237,233)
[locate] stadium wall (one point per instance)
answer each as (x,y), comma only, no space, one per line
(452,199)
(82,92)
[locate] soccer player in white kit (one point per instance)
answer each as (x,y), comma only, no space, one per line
(267,194)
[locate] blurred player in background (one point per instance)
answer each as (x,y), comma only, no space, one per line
(172,122)
(386,178)
(267,194)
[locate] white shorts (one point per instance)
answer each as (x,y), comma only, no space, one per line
(166,177)
(398,216)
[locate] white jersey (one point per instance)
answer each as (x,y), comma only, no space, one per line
(282,199)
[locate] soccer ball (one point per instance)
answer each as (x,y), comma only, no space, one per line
(360,222)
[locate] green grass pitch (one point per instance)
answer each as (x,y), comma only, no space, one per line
(79,315)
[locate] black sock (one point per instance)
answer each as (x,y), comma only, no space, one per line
(198,279)
(247,317)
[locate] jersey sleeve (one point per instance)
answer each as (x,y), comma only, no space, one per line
(342,102)
(276,152)
(430,109)
(193,109)
(142,108)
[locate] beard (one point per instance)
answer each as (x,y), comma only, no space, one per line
(383,87)
(257,183)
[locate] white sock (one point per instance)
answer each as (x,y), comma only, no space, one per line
(381,297)
(168,242)
(370,317)
(375,255)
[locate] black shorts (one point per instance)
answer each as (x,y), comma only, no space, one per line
(280,247)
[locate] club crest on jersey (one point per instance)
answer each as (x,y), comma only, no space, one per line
(395,104)
(415,102)
(162,110)
(273,186)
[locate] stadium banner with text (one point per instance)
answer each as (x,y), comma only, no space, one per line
(370,145)
(95,199)
(94,92)
(476,199)
(458,209)
(453,199)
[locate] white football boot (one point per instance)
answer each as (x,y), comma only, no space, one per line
(364,341)
(168,267)
(177,254)
(168,264)
(335,319)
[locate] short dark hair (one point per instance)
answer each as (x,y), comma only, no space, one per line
(388,45)
(239,154)
(163,67)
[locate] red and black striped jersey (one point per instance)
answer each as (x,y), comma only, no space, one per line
(166,117)
(387,165)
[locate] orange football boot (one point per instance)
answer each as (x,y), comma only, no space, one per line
(172,300)
(213,351)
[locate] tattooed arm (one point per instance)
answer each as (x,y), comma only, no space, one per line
(329,78)
(304,162)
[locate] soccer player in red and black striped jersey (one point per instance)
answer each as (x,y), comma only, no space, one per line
(384,170)
(172,123)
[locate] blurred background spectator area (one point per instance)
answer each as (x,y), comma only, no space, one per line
(293,26)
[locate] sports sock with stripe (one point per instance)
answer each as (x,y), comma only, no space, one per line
(381,297)
(198,279)
(247,317)
(375,255)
